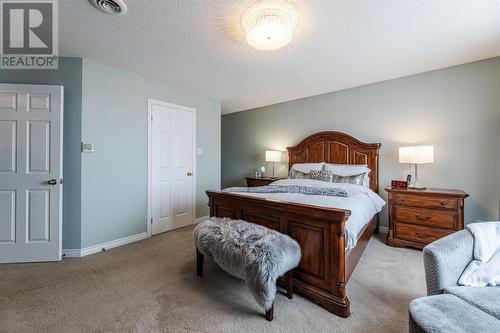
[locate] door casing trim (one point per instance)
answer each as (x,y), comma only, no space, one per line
(152,101)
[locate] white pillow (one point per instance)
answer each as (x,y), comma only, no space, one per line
(307,167)
(350,170)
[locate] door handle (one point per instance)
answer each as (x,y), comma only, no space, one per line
(189,173)
(52,182)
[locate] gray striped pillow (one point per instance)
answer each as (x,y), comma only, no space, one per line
(355,179)
(296,174)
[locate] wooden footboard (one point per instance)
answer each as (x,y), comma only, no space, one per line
(321,275)
(325,266)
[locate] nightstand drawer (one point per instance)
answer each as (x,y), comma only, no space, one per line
(427,217)
(419,217)
(426,201)
(417,233)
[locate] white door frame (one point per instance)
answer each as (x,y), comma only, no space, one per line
(152,101)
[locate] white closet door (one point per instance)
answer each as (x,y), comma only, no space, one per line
(30,172)
(172,165)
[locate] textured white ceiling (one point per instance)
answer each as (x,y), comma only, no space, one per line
(199,44)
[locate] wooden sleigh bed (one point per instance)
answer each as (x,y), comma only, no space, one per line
(325,266)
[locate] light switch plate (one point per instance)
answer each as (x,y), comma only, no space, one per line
(87,147)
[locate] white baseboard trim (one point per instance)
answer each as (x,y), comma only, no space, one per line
(201,218)
(71,253)
(76,253)
(383,230)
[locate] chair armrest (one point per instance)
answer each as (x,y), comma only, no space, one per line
(446,259)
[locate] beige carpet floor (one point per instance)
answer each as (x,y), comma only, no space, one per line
(150,286)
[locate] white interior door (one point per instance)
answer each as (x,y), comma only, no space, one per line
(30,172)
(172,165)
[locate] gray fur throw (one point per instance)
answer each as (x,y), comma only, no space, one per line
(309,190)
(250,252)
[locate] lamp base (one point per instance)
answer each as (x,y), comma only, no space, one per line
(416,186)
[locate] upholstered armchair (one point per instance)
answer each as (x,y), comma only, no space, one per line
(446,259)
(448,306)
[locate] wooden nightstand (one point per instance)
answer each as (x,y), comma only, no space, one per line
(419,217)
(261,181)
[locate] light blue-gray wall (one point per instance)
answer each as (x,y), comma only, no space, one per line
(455,109)
(105,192)
(114,177)
(68,75)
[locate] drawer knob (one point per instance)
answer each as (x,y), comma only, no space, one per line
(422,218)
(421,235)
(443,203)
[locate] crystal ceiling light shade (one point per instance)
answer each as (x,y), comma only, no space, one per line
(269,24)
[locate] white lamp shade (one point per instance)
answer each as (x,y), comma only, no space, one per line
(273,156)
(416,154)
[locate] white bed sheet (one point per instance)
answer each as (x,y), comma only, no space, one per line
(361,201)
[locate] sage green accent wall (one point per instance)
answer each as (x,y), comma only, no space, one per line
(114,177)
(69,75)
(455,109)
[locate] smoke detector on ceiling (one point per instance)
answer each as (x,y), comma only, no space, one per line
(111,7)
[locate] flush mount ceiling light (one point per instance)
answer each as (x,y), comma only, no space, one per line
(112,7)
(269,24)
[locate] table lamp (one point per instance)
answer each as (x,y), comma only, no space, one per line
(416,155)
(273,156)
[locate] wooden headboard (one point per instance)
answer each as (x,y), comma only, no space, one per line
(339,148)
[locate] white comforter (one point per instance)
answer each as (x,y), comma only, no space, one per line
(361,201)
(484,270)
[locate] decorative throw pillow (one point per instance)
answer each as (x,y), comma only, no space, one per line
(295,174)
(354,179)
(323,175)
(350,170)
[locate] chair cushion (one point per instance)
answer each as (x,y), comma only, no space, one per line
(486,299)
(448,313)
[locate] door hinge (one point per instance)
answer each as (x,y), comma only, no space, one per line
(151,117)
(151,220)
